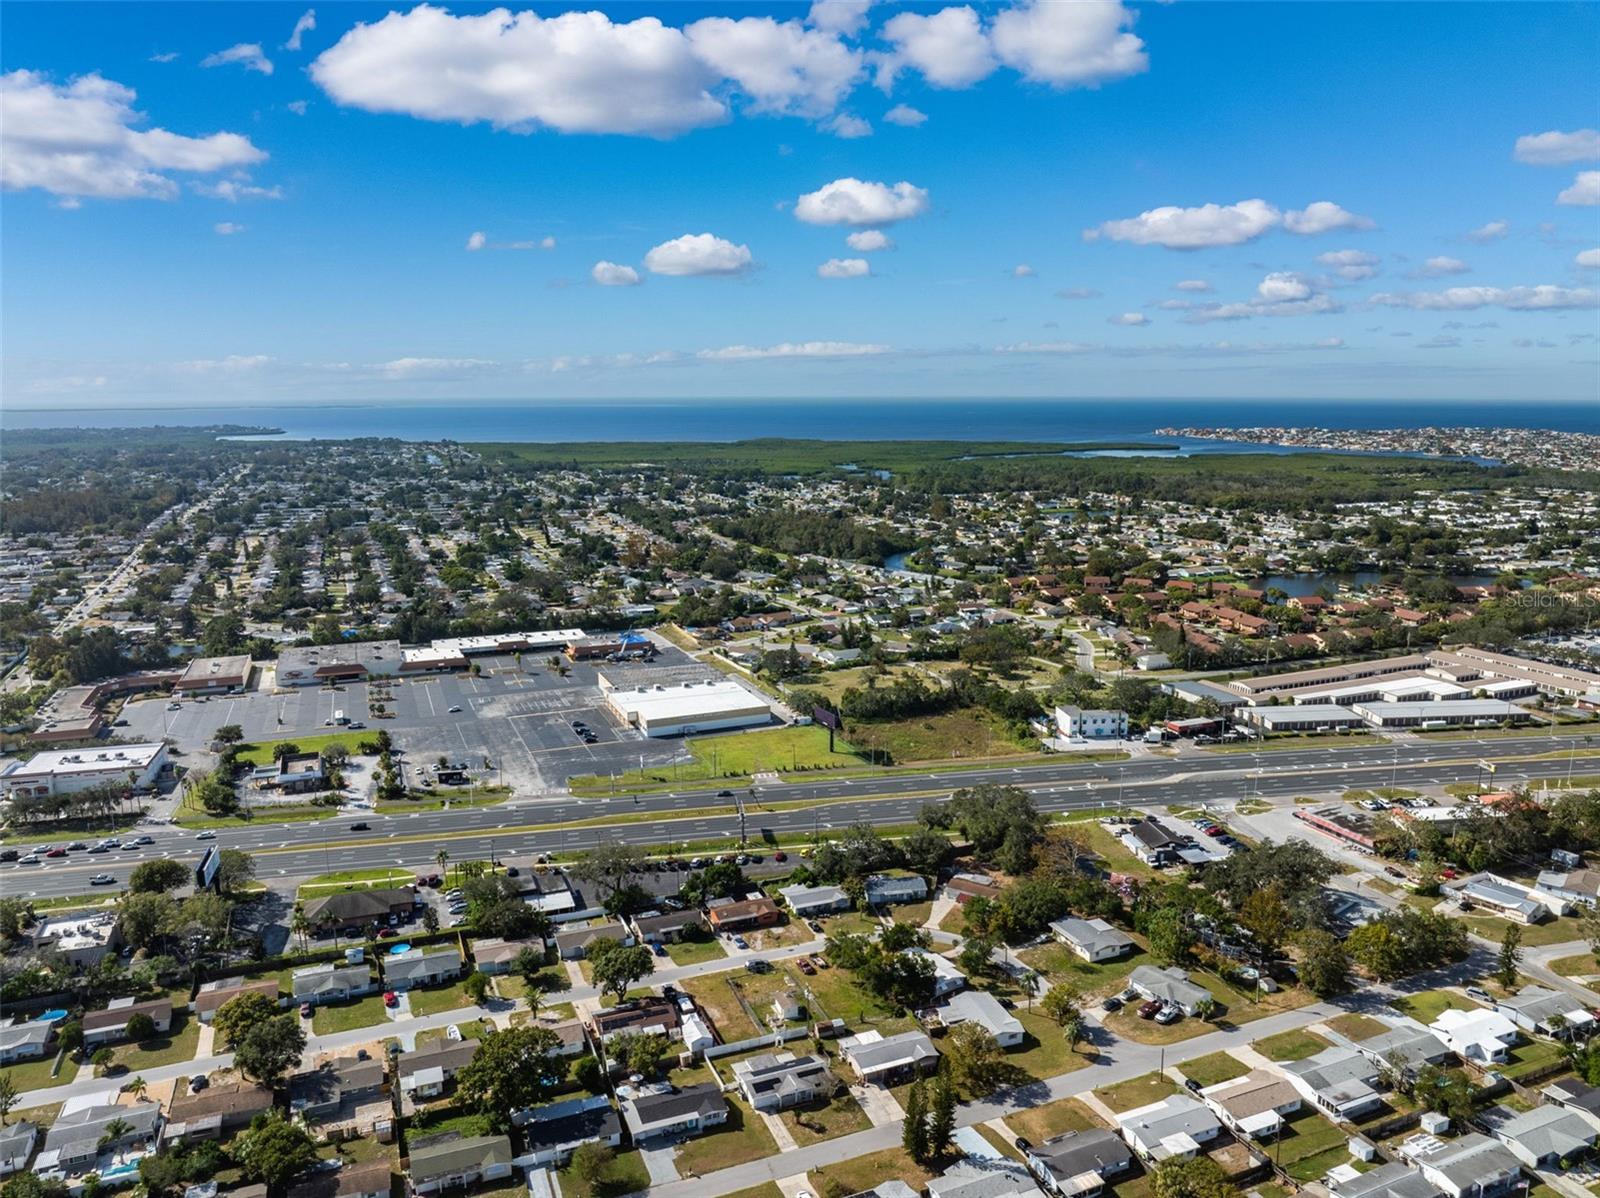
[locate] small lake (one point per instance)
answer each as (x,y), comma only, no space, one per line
(1311,582)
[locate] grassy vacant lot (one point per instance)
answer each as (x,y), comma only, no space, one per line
(949,736)
(1137,1092)
(1561,930)
(471,1029)
(1097,838)
(162,1049)
(1579,966)
(735,756)
(355,879)
(715,993)
(35,1075)
(438,998)
(865,1172)
(837,996)
(1356,1027)
(1294,1045)
(693,952)
(744,1137)
(1217,1067)
(1059,963)
(188,816)
(1045,1052)
(1311,1146)
(1053,1119)
(261,754)
(823,1121)
(347,1016)
(625,1175)
(1428,1005)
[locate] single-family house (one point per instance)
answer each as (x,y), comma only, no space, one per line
(369,1179)
(1546,1137)
(649,1014)
(744,915)
(686,1111)
(883,1060)
(1177,1126)
(211,1113)
(885,890)
(1474,1166)
(322,1092)
(1408,1046)
(1343,1082)
(213,995)
(967,886)
(573,943)
(111,1024)
(426,1071)
(1254,1105)
(495,956)
(1393,1180)
(1078,1164)
(458,1162)
(429,966)
(1094,940)
(331,982)
(553,1132)
(1575,886)
(1548,1012)
(570,1032)
(666,927)
(1575,1095)
(72,1145)
(947,979)
(1481,1036)
(24,1041)
(1170,985)
(810,901)
(1499,896)
(984,1009)
(17,1142)
(777,1081)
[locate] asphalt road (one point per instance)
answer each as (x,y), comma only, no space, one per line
(411,841)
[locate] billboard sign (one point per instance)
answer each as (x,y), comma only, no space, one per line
(205,874)
(828,719)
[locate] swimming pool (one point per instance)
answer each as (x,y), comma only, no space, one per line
(50,1016)
(399,948)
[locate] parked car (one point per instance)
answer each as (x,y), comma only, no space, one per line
(806,967)
(1479,993)
(385,933)
(390,998)
(1151,1009)
(1168,1015)
(1394,871)
(757,965)
(819,961)
(1111,1003)
(740,942)
(780,855)
(814,926)
(658,950)
(1191,1085)
(198,1082)
(455,709)
(305,1010)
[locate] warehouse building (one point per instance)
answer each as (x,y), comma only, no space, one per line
(215,675)
(67,771)
(1449,713)
(693,707)
(1302,717)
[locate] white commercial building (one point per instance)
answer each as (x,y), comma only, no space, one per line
(67,771)
(1076,722)
(692,707)
(1483,713)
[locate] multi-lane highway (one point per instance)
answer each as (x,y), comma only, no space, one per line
(802,808)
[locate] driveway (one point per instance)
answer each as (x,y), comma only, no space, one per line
(660,1159)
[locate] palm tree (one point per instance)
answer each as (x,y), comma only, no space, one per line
(137,1087)
(300,925)
(441,857)
(114,1132)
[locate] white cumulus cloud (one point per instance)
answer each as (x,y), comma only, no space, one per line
(782,66)
(246,54)
(950,48)
(905,116)
(1545,297)
(234,190)
(227,228)
(1193,228)
(1282,286)
(1128,318)
(1589,259)
(611,274)
(1439,267)
(306,23)
(849,126)
(1556,148)
(1023,271)
(698,254)
(844,17)
(1192,285)
(867,241)
(853,201)
(1068,45)
(1493,231)
(477,241)
(1353,265)
(844,268)
(793,349)
(1323,217)
(1584,192)
(425,368)
(79,140)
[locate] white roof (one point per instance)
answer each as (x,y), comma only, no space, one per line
(713,699)
(90,761)
(1474,1027)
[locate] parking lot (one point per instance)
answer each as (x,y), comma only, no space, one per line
(517,716)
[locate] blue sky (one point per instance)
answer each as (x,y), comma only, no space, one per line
(651,200)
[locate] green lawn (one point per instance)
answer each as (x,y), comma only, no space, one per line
(1053,1119)
(261,754)
(35,1075)
(347,1016)
(865,1172)
(744,1137)
(1532,1056)
(1357,1027)
(1137,1092)
(176,1045)
(1045,1052)
(837,996)
(1217,1067)
(734,757)
(1310,1146)
(693,952)
(471,1029)
(443,1117)
(969,733)
(823,1121)
(1059,963)
(1294,1045)
(355,879)
(1579,966)
(1560,930)
(1428,1005)
(435,999)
